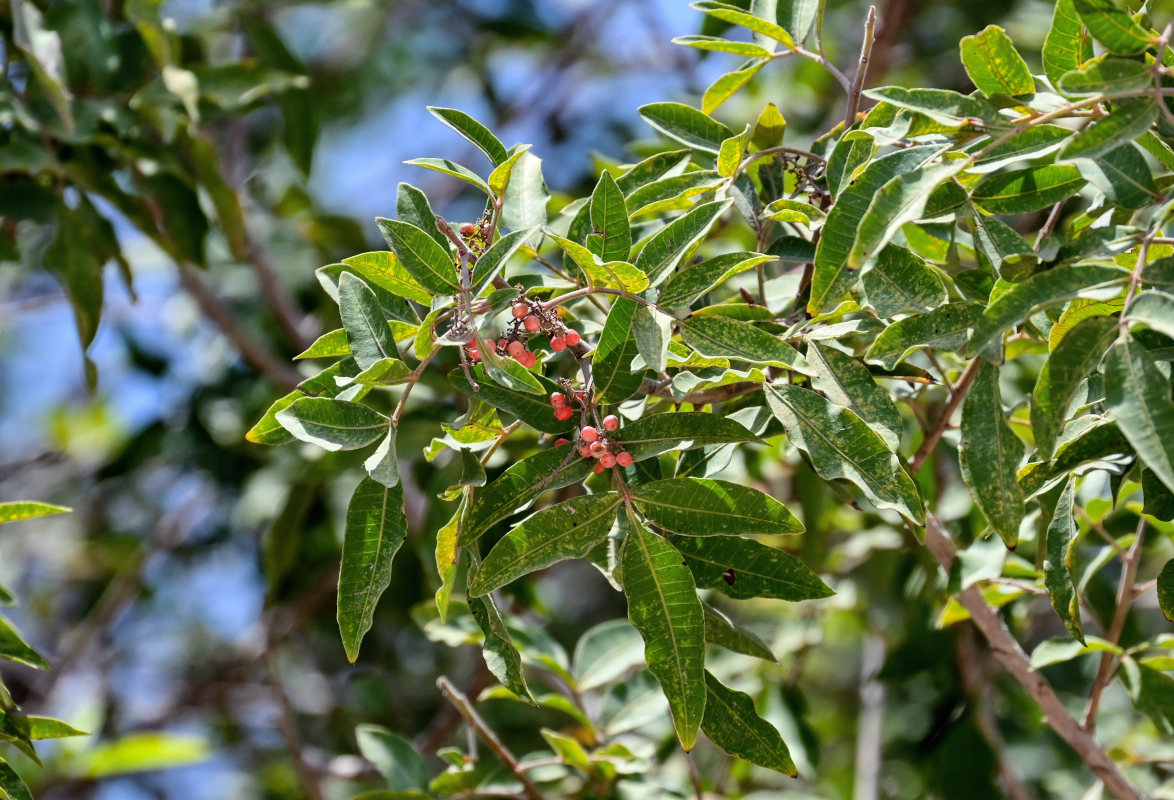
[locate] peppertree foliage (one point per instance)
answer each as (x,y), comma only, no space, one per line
(872,303)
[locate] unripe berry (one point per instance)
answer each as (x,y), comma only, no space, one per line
(624,458)
(558,399)
(607,460)
(558,344)
(532,324)
(563,413)
(572,338)
(560,441)
(468,229)
(611,422)
(516,349)
(521,310)
(588,434)
(598,468)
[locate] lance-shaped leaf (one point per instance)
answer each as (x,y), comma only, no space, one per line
(563,531)
(28,509)
(842,445)
(723,337)
(520,484)
(1138,398)
(501,656)
(1067,44)
(13,647)
(332,424)
(375,528)
(1128,121)
(653,330)
(533,409)
(1073,360)
(849,154)
(397,760)
(655,167)
(1058,567)
(600,274)
(766,30)
(989,455)
(412,207)
(660,433)
(1166,590)
(688,284)
(41,728)
(733,725)
(1106,74)
(676,192)
(726,86)
(1094,443)
(1155,310)
(847,382)
(1042,290)
(473,131)
(941,105)
(11,786)
(1023,191)
(270,431)
(993,63)
(448,554)
(744,568)
(1113,27)
(706,507)
(364,322)
(609,216)
(687,125)
(899,281)
(1123,175)
(492,261)
(612,364)
(720,630)
(381,270)
(1010,254)
(832,278)
(944,328)
(719,45)
(663,606)
(525,197)
(674,242)
(429,263)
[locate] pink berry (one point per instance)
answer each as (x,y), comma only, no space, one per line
(558,399)
(558,344)
(585,450)
(521,310)
(563,413)
(598,468)
(588,434)
(532,324)
(527,359)
(572,338)
(560,441)
(608,460)
(516,349)
(611,422)
(598,449)
(624,458)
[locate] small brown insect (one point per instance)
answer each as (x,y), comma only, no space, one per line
(728,577)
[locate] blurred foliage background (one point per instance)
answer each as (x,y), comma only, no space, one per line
(203,158)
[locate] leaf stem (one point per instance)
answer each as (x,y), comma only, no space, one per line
(935,434)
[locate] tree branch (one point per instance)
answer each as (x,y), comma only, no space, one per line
(935,434)
(861,68)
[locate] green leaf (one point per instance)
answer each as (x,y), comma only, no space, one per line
(654,168)
(1113,27)
(849,154)
(994,64)
(11,786)
(375,528)
(501,656)
(719,336)
(829,281)
(943,328)
(609,275)
(899,281)
(1026,190)
(688,284)
(738,16)
(1154,309)
(499,179)
(609,216)
(726,86)
(940,105)
(448,554)
(533,409)
(1123,175)
(652,330)
(720,45)
(1067,44)
(519,485)
(1073,360)
(382,269)
(429,263)
(525,197)
(842,445)
(72,259)
(1092,444)
(720,630)
(492,261)
(605,652)
(455,170)
(509,373)
(412,207)
(612,364)
(1127,121)
(706,507)
(364,322)
(847,382)
(383,464)
(270,431)
(744,568)
(733,725)
(332,424)
(28,509)
(1138,398)
(13,647)
(1042,290)
(663,606)
(1105,74)
(398,761)
(675,241)
(43,58)
(557,533)
(1166,590)
(674,193)
(49,728)
(1009,253)
(473,131)
(1058,566)
(1031,143)
(989,455)
(332,344)
(687,125)
(661,433)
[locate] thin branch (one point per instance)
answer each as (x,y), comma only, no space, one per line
(474,721)
(1008,652)
(278,298)
(861,68)
(935,434)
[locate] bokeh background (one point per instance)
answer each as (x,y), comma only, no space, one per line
(188,602)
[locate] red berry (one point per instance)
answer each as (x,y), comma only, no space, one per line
(558,344)
(473,354)
(598,468)
(468,229)
(572,338)
(558,399)
(598,449)
(607,460)
(560,441)
(585,450)
(624,459)
(527,359)
(516,349)
(611,422)
(501,344)
(563,413)
(521,310)
(588,434)
(532,324)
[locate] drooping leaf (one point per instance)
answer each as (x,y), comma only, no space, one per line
(375,528)
(28,509)
(989,455)
(899,281)
(720,630)
(429,263)
(500,653)
(675,241)
(72,259)
(663,606)
(944,328)
(660,433)
(1113,27)
(1153,694)
(744,568)
(706,507)
(1023,191)
(1138,398)
(994,64)
(842,445)
(1058,567)
(1153,309)
(563,531)
(448,554)
(332,424)
(1073,359)
(723,337)
(1067,44)
(732,723)
(612,364)
(605,652)
(652,330)
(473,131)
(847,382)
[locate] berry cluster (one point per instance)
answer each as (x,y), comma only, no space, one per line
(593,443)
(529,319)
